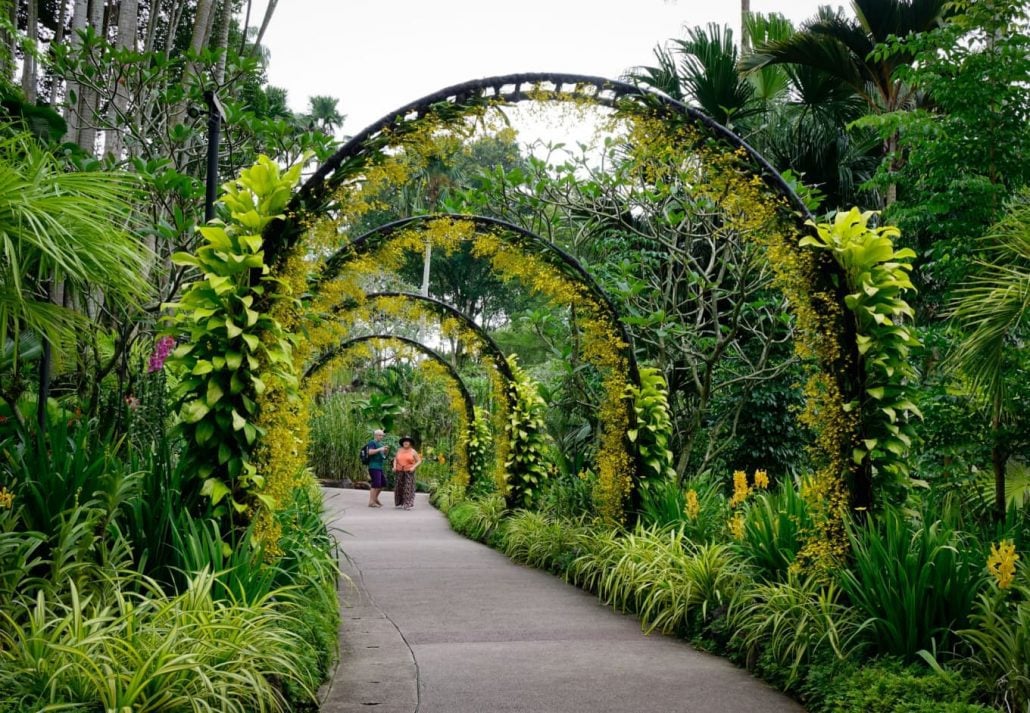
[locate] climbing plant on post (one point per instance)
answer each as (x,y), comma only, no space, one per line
(877,278)
(526,467)
(229,347)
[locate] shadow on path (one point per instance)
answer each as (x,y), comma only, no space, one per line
(435,623)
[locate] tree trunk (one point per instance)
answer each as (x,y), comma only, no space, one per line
(999,459)
(222,47)
(745,41)
(73,92)
(87,139)
(128,25)
(269,11)
(245,27)
(8,39)
(28,67)
(55,86)
(152,20)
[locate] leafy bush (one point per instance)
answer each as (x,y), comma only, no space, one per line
(916,582)
(1001,643)
(889,686)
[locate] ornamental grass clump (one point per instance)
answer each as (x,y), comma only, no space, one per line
(138,650)
(672,583)
(785,626)
(477,519)
(543,542)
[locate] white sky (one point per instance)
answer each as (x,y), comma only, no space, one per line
(377,55)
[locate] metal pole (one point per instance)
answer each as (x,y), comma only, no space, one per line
(214,125)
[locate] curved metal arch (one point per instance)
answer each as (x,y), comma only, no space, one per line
(328,355)
(493,351)
(509,89)
(557,257)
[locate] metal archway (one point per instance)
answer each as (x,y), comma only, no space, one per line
(442,309)
(450,102)
(327,356)
(552,253)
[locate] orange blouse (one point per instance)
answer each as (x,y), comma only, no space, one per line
(406,460)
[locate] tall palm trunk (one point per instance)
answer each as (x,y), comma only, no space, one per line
(90,103)
(73,92)
(128,24)
(222,45)
(28,67)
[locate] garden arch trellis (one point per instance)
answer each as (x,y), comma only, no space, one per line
(812,285)
(465,464)
(327,357)
(554,255)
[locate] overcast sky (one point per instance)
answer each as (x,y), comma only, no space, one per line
(377,55)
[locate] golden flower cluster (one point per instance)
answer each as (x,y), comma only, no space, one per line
(6,498)
(1002,563)
(741,490)
(693,506)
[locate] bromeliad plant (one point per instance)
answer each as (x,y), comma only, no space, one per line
(230,345)
(877,278)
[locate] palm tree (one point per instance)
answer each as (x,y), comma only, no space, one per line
(61,229)
(844,48)
(795,116)
(322,109)
(992,308)
(702,70)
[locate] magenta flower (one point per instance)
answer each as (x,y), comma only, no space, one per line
(162,349)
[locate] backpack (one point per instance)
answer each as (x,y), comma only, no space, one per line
(363,454)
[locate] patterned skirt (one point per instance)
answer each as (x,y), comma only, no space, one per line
(404,489)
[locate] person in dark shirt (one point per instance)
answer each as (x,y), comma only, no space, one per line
(376,458)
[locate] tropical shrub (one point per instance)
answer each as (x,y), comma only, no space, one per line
(773,529)
(889,686)
(877,279)
(999,635)
(526,467)
(916,582)
(653,430)
(230,346)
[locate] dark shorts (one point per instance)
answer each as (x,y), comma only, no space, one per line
(378,480)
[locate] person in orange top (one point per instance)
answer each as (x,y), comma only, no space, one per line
(405,462)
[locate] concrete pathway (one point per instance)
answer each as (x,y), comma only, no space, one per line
(436,623)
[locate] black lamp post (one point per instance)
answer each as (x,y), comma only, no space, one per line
(215,117)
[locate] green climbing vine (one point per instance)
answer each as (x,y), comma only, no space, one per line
(230,346)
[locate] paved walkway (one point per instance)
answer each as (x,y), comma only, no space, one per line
(436,623)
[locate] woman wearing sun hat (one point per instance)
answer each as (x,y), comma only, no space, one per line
(405,462)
